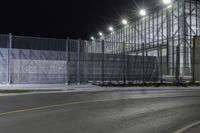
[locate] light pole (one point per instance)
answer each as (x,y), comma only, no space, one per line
(142,14)
(124,22)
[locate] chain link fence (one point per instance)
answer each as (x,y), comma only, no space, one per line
(32,60)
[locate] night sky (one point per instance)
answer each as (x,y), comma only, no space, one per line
(66,18)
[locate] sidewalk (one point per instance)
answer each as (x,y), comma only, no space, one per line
(86,87)
(48,87)
(61,88)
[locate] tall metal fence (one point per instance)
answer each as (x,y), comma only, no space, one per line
(32,60)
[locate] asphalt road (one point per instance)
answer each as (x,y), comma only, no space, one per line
(139,111)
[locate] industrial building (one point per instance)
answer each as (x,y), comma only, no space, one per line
(166,33)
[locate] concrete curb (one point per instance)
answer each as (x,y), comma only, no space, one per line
(48,88)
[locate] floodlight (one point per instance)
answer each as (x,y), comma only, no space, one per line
(124,22)
(111,28)
(100,34)
(167,2)
(92,38)
(143,12)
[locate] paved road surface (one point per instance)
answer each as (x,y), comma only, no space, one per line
(141,111)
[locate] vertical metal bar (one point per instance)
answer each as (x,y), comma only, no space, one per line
(190,26)
(196,6)
(184,39)
(67,61)
(131,36)
(102,63)
(157,30)
(138,35)
(168,35)
(173,65)
(9,59)
(143,69)
(135,37)
(190,22)
(145,31)
(78,62)
(161,52)
(124,63)
(178,47)
(123,53)
(149,23)
(142,47)
(158,43)
(193,61)
(194,45)
(153,26)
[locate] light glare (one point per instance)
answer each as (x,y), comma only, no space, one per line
(100,33)
(167,1)
(92,38)
(124,22)
(142,12)
(111,28)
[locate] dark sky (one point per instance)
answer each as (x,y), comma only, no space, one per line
(64,18)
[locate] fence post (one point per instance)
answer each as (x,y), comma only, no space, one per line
(193,60)
(177,63)
(86,61)
(143,80)
(102,64)
(161,66)
(78,62)
(124,63)
(9,58)
(67,62)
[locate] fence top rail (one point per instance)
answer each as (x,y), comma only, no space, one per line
(4,34)
(49,38)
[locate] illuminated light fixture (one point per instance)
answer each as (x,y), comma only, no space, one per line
(111,29)
(92,38)
(143,12)
(124,22)
(167,2)
(100,34)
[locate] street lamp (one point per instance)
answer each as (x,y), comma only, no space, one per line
(143,12)
(124,22)
(92,38)
(111,29)
(167,2)
(101,34)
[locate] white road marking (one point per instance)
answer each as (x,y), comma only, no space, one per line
(187,127)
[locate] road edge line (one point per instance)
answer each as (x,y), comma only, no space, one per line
(187,127)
